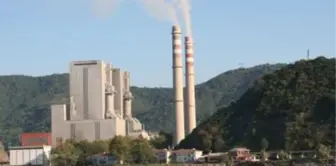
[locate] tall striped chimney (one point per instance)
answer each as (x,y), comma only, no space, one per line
(190,84)
(178,84)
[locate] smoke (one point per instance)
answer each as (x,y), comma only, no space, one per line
(162,10)
(103,8)
(185,8)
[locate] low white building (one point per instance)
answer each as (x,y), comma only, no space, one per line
(30,155)
(177,156)
(185,155)
(101,159)
(162,155)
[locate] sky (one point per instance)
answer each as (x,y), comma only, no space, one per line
(41,37)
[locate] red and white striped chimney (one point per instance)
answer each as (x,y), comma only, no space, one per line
(190,84)
(178,84)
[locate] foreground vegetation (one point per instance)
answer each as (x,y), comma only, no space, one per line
(136,151)
(291,109)
(140,151)
(25,101)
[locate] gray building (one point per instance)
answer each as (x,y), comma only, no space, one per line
(99,106)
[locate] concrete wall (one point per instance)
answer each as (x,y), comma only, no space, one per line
(82,130)
(108,132)
(120,127)
(87,87)
(133,124)
(59,128)
(85,129)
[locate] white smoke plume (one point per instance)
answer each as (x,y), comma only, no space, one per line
(185,8)
(162,10)
(103,8)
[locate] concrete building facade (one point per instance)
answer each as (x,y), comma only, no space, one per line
(99,106)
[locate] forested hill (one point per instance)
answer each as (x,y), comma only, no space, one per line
(293,108)
(25,101)
(217,92)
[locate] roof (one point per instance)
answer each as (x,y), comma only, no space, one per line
(184,151)
(217,154)
(239,149)
(161,150)
(27,147)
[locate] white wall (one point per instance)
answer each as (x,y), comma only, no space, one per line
(90,80)
(30,155)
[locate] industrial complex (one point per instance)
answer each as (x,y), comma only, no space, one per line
(99,105)
(100,108)
(100,100)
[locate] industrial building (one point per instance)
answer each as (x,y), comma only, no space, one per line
(100,100)
(99,106)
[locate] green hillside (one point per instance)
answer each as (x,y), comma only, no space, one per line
(25,101)
(217,92)
(293,108)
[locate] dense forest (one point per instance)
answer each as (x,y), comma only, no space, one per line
(292,108)
(25,101)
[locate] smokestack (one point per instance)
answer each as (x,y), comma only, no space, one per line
(190,84)
(178,84)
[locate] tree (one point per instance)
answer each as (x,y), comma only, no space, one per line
(159,142)
(100,146)
(142,152)
(227,160)
(64,154)
(284,156)
(218,144)
(263,155)
(264,144)
(120,147)
(206,142)
(322,153)
(86,148)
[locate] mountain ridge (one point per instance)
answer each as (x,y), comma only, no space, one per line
(25,100)
(292,108)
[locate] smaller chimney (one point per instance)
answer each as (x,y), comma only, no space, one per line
(190,84)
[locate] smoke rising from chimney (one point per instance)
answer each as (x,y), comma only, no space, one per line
(162,10)
(185,8)
(102,8)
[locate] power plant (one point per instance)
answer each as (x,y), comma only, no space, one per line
(99,105)
(100,100)
(178,85)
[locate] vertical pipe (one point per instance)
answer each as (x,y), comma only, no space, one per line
(127,95)
(109,91)
(190,84)
(178,84)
